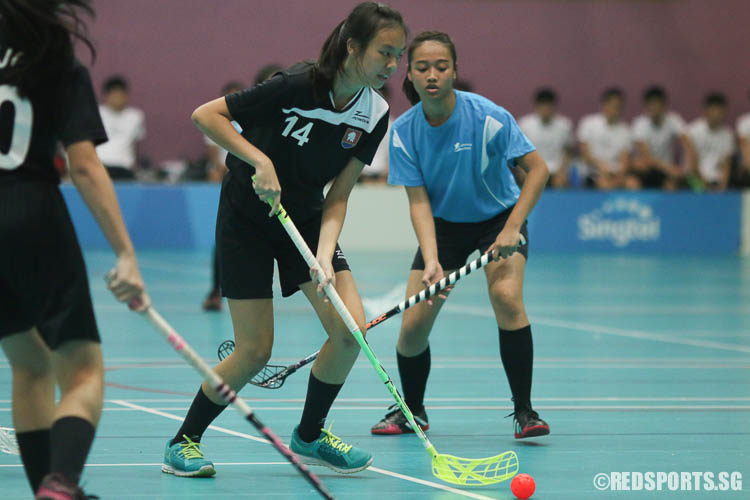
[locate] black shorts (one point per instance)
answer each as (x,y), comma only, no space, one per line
(652,178)
(248,241)
(43,279)
(457,240)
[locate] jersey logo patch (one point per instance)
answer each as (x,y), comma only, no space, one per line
(461,147)
(351,138)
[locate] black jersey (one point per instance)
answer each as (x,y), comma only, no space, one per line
(306,138)
(64,110)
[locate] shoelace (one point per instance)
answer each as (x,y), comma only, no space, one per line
(393,409)
(531,414)
(334,441)
(191,449)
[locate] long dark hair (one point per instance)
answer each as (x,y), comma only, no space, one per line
(44,31)
(362,24)
(426,36)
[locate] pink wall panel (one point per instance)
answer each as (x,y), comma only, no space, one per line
(178,53)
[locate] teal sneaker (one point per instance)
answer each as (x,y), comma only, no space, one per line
(331,451)
(185,459)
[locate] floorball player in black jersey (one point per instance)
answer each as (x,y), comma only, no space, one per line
(47,325)
(314,123)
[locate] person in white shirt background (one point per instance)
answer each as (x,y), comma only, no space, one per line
(552,134)
(125,127)
(605,142)
(741,177)
(660,137)
(714,143)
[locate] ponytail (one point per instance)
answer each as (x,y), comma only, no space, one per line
(361,26)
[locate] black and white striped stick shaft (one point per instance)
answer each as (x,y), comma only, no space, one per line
(431,290)
(451,279)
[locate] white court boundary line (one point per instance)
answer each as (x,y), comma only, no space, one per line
(175,417)
(261,440)
(257,401)
(160,410)
(607,330)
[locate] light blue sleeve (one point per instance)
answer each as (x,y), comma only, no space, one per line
(511,142)
(403,170)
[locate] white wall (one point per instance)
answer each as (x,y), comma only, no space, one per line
(377,218)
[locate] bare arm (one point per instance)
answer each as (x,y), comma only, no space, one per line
(97,191)
(334,208)
(690,155)
(332,221)
(536,178)
(724,172)
(598,165)
(214,120)
(566,159)
(424,227)
(622,162)
(745,150)
(645,157)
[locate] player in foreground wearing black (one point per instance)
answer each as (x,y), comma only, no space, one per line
(47,325)
(314,123)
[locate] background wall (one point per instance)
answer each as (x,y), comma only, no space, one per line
(178,53)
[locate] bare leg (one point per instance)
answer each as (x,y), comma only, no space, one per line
(253,335)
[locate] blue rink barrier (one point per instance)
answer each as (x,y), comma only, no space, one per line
(184,217)
(639,222)
(170,217)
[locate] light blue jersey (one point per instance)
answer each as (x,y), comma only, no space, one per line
(463,163)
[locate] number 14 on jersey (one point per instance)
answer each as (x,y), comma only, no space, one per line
(300,134)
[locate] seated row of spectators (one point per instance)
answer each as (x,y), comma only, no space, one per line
(658,150)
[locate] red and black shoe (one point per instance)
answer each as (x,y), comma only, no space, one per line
(57,487)
(213,301)
(528,424)
(395,422)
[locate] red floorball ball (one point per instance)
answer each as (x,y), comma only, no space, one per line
(522,486)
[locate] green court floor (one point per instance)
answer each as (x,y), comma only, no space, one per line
(642,365)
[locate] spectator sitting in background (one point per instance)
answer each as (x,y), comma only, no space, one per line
(552,134)
(125,127)
(714,144)
(217,157)
(656,134)
(741,171)
(605,144)
(377,170)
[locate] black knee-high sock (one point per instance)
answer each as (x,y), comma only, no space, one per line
(215,281)
(320,397)
(414,372)
(202,412)
(70,442)
(517,353)
(35,455)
